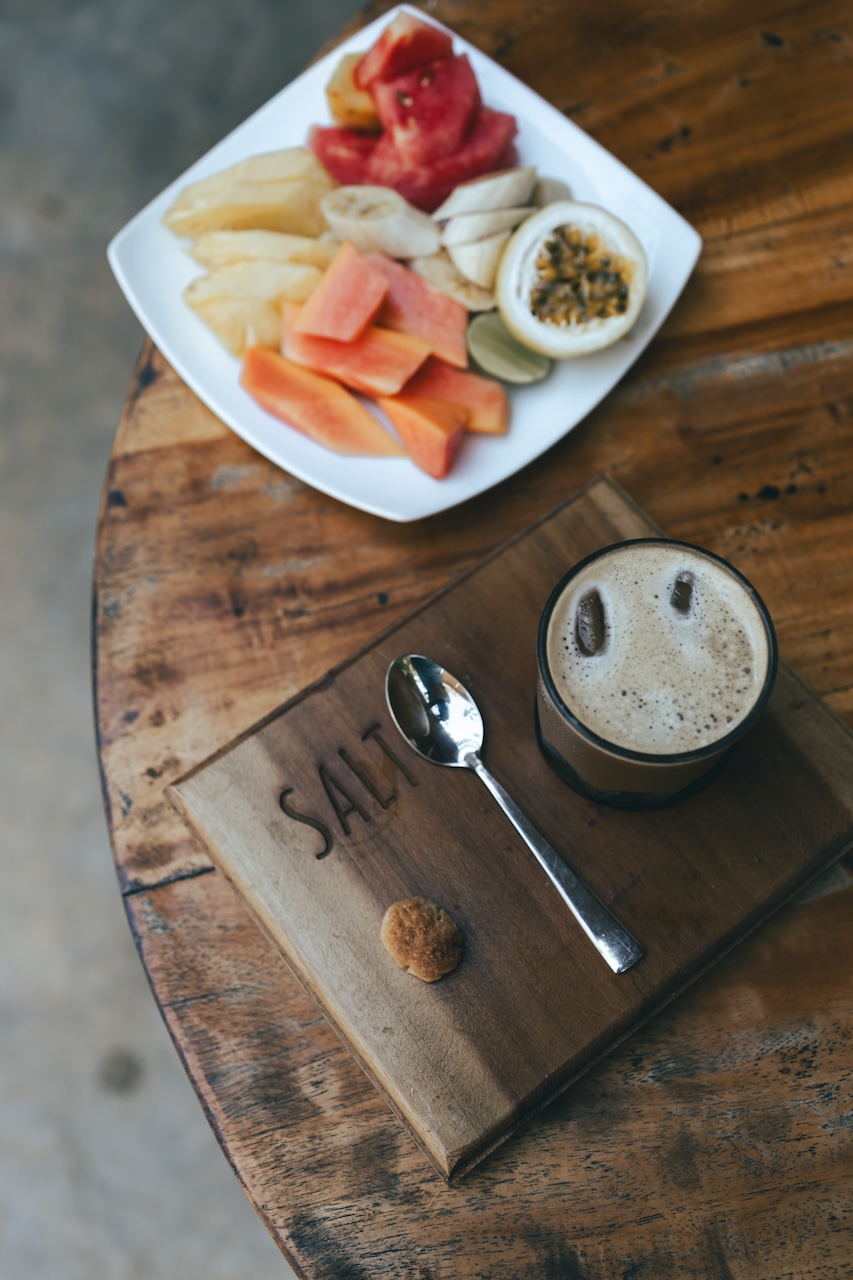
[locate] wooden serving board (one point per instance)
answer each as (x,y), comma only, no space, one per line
(321,817)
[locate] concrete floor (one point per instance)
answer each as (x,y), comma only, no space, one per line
(107,1166)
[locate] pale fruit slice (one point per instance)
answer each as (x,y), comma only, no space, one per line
(215,248)
(378,218)
(494,350)
(286,205)
(466,227)
(479,261)
(272,281)
(446,276)
(572,280)
(348,105)
(288,164)
(501,190)
(240,323)
(241,301)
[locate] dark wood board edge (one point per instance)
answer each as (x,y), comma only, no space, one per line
(468,1158)
(601,479)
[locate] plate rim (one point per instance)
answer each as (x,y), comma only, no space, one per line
(436,496)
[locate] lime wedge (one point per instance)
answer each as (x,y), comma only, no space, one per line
(497,352)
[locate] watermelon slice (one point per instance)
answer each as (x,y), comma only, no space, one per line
(427,112)
(314,405)
(343,152)
(414,307)
(406,43)
(431,430)
(378,363)
(486,149)
(350,292)
(484,399)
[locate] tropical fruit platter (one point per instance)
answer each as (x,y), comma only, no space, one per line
(407,275)
(383,283)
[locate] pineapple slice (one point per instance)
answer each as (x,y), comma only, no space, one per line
(216,248)
(241,301)
(350,106)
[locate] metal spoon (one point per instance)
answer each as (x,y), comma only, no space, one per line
(438,718)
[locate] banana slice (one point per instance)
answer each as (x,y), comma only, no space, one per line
(379,218)
(501,190)
(479,261)
(548,190)
(441,272)
(466,227)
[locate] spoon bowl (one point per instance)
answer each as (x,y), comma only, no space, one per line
(440,720)
(434,712)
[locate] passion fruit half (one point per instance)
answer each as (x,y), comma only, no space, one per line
(572,279)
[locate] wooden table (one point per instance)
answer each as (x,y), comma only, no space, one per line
(717,1141)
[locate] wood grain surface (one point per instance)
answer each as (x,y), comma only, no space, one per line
(321,818)
(715,1142)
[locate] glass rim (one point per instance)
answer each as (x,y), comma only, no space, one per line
(658,757)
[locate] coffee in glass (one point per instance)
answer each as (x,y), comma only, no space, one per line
(655,656)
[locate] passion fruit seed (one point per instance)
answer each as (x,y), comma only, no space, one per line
(575,282)
(572,279)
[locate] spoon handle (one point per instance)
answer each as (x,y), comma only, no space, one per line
(609,937)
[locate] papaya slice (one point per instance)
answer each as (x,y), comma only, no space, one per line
(431,430)
(378,363)
(347,298)
(317,406)
(485,399)
(415,307)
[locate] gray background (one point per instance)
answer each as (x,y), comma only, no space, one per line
(107,1165)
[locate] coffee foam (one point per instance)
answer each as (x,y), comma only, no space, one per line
(665,681)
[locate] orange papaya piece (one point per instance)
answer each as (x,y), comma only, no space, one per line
(347,298)
(431,430)
(379,362)
(317,406)
(485,399)
(414,306)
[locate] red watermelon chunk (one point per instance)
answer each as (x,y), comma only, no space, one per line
(487,147)
(414,307)
(427,112)
(343,152)
(490,135)
(406,43)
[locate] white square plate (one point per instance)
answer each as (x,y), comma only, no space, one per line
(153,269)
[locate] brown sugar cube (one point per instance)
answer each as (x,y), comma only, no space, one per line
(422,938)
